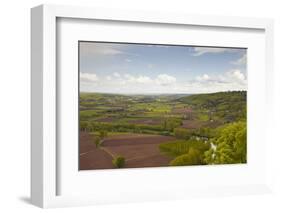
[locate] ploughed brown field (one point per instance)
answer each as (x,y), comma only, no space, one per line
(139,150)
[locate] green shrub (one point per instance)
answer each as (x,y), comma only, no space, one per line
(170,124)
(231,145)
(97,141)
(193,157)
(119,162)
(102,134)
(174,148)
(165,133)
(182,133)
(180,147)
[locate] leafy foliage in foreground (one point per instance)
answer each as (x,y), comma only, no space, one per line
(231,145)
(228,146)
(193,157)
(185,151)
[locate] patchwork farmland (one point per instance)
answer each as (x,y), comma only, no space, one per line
(136,131)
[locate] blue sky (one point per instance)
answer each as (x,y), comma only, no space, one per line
(150,69)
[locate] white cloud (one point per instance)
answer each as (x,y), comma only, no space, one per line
(241,61)
(116,74)
(228,77)
(138,79)
(230,80)
(128,60)
(236,76)
(198,51)
(162,79)
(165,80)
(88,77)
(143,79)
(164,83)
(204,77)
(129,77)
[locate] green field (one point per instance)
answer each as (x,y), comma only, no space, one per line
(207,128)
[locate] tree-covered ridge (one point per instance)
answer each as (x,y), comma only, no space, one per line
(215,99)
(230,106)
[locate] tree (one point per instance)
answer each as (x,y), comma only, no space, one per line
(170,124)
(182,133)
(84,125)
(204,132)
(119,162)
(102,134)
(98,142)
(165,124)
(230,146)
(241,145)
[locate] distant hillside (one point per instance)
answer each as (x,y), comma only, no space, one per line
(228,105)
(91,96)
(215,99)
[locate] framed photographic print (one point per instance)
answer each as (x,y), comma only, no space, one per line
(149,106)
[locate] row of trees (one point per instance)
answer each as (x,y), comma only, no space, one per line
(203,132)
(117,127)
(170,127)
(169,124)
(165,129)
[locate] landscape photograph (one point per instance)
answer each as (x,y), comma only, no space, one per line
(160,105)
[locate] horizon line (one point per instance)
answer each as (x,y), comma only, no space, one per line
(116,93)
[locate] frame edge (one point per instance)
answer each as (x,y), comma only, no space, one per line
(37,106)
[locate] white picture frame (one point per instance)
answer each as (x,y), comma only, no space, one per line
(44,135)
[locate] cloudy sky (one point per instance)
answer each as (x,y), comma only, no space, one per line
(154,69)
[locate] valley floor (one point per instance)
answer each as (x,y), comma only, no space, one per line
(139,150)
